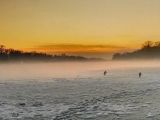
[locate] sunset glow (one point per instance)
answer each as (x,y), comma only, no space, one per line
(79,26)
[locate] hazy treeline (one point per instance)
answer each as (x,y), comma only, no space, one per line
(7,54)
(149,50)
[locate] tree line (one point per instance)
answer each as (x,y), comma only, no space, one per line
(149,50)
(8,54)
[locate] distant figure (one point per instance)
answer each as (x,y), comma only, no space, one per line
(140,74)
(105,72)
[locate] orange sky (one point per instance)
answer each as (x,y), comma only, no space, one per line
(80,25)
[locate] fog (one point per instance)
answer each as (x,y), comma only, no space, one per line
(40,71)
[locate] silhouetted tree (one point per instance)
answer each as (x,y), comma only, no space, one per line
(157,44)
(2,49)
(12,55)
(150,50)
(147,44)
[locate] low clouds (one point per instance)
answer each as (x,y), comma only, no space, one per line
(78,48)
(101,51)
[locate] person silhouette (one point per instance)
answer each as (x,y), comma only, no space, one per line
(140,74)
(105,72)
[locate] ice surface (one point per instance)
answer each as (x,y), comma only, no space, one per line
(85,94)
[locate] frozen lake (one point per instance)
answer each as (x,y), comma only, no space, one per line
(79,91)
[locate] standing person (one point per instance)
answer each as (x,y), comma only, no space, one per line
(140,74)
(105,72)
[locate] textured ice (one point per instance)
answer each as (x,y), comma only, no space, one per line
(85,96)
(11,111)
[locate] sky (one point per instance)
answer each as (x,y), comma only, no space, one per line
(79,27)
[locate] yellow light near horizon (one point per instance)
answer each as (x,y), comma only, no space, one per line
(128,23)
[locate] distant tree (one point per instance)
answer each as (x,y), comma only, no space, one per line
(147,44)
(14,55)
(149,50)
(157,44)
(2,49)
